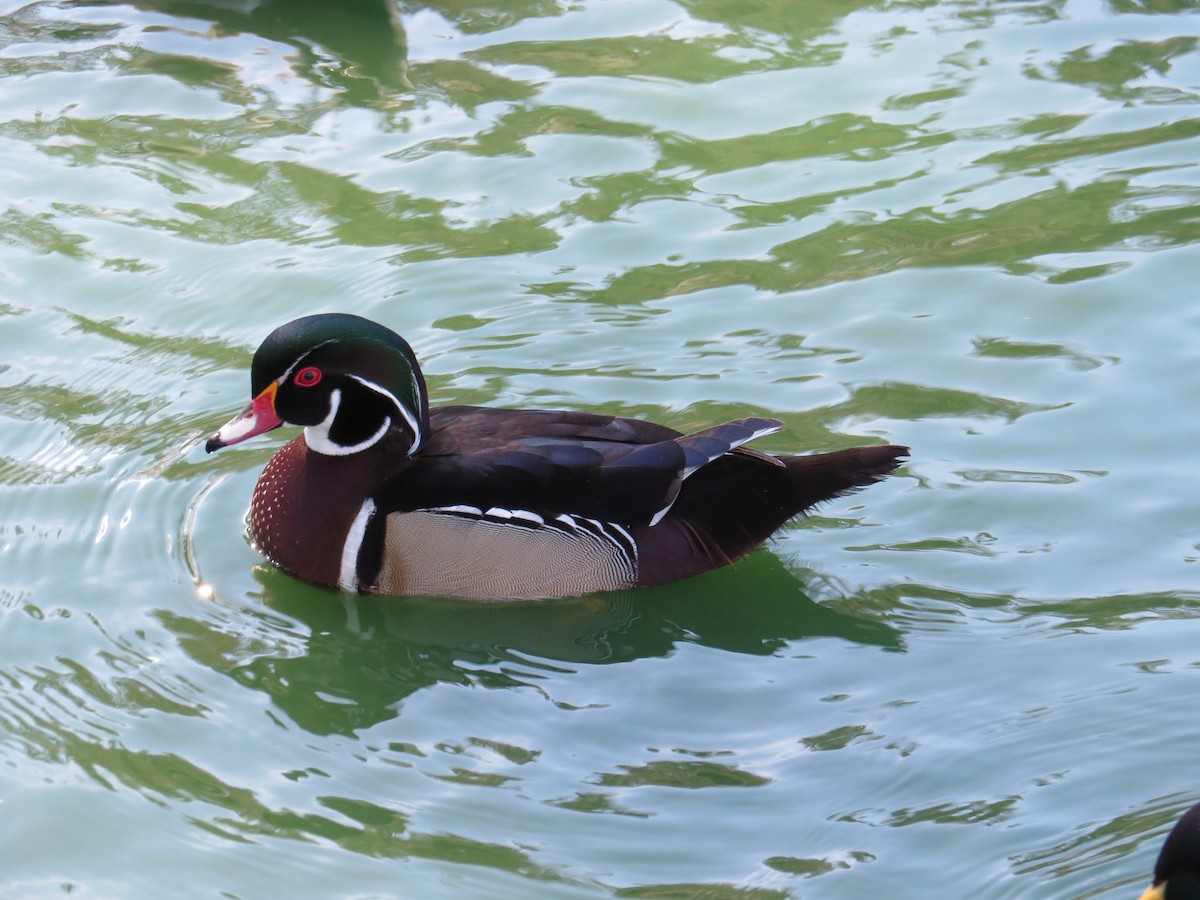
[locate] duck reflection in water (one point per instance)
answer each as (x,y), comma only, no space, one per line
(357,47)
(349,666)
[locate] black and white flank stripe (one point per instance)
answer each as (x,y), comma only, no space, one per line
(580,527)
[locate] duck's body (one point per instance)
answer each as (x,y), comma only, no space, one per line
(1177,870)
(383,494)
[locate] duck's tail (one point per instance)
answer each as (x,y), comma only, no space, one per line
(730,506)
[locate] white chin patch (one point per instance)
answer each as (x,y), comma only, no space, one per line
(405,413)
(317,436)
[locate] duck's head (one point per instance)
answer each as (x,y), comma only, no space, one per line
(1177,871)
(349,381)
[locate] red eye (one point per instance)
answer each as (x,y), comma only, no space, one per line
(308,377)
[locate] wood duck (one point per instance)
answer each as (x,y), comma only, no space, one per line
(383,494)
(1177,870)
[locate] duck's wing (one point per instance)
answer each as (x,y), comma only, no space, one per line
(606,468)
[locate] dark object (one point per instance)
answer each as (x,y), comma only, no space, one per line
(1177,871)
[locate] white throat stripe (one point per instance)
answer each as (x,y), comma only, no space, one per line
(348,575)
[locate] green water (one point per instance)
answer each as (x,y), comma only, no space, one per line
(970,227)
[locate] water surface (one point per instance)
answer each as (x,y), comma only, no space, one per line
(968,227)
